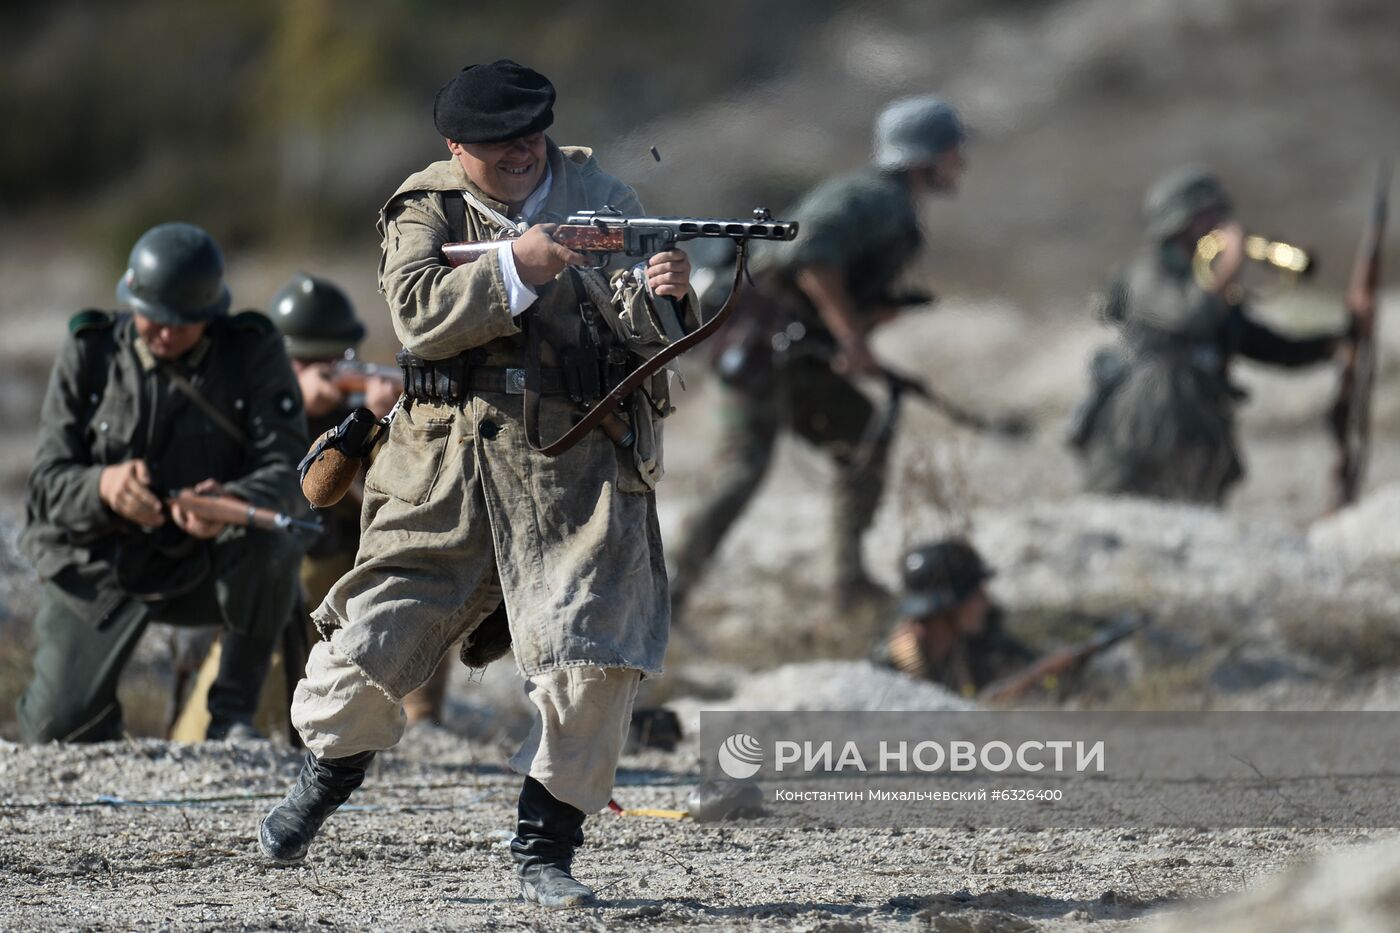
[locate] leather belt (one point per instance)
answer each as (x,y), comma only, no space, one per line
(454,379)
(511,380)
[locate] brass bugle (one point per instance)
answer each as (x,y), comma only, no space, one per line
(1285,257)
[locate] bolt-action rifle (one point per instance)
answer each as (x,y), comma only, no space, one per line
(1065,661)
(234,511)
(351,374)
(1009,425)
(1351,414)
(882,424)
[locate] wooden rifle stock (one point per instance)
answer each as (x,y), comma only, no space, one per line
(1060,662)
(234,511)
(353,376)
(1351,414)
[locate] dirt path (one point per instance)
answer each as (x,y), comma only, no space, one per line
(428,851)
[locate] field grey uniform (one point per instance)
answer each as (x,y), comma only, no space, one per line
(460,513)
(1160,417)
(109,400)
(865,225)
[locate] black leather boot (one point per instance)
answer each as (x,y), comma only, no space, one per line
(543,848)
(233,696)
(322,786)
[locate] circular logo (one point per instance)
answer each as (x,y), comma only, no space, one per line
(740,756)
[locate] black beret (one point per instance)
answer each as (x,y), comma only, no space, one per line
(492,103)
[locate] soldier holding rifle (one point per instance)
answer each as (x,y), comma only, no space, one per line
(171,393)
(951,632)
(790,361)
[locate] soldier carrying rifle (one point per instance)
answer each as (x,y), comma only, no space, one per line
(322,334)
(790,361)
(172,393)
(952,633)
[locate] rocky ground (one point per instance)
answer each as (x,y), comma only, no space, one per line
(154,836)
(1257,607)
(1260,606)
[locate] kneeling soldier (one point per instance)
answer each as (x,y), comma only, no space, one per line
(462,511)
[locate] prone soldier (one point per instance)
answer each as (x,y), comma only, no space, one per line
(170,393)
(950,632)
(789,363)
(462,510)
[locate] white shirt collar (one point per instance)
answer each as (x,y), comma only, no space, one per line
(535,202)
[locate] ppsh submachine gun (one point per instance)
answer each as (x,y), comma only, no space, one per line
(607,233)
(330,466)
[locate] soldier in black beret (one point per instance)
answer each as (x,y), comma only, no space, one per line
(493,103)
(462,512)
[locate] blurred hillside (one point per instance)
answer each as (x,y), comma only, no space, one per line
(290,122)
(283,125)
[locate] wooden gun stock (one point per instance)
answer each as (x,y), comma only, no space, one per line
(352,376)
(1060,662)
(234,511)
(1351,413)
(580,239)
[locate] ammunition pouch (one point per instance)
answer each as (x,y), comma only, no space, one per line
(643,324)
(645,409)
(454,380)
(766,333)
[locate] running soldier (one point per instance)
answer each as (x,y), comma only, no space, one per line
(461,511)
(789,364)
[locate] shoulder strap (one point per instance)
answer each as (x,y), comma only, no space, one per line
(185,388)
(456,210)
(102,327)
(604,407)
(508,227)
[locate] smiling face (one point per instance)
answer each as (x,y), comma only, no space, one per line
(507,171)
